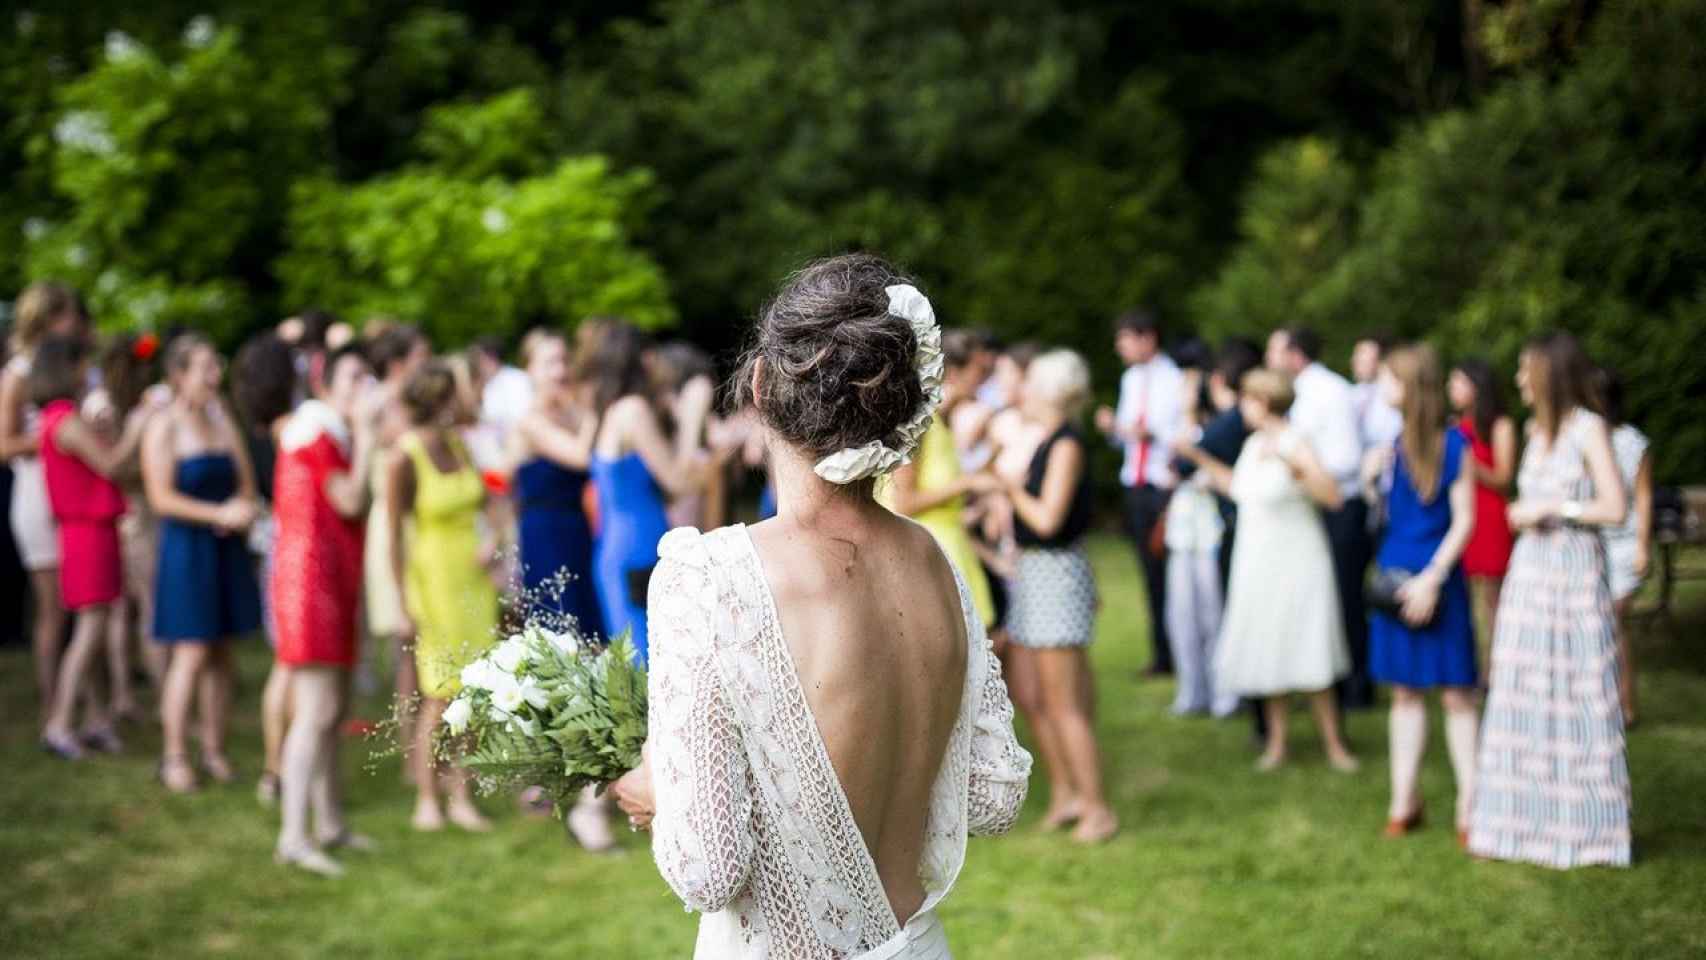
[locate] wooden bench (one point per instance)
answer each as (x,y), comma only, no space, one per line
(1677,533)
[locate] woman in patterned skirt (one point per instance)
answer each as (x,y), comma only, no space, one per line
(1553,782)
(1054,593)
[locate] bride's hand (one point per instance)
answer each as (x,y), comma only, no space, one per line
(634,794)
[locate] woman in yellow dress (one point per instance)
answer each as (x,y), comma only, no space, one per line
(440,568)
(932,489)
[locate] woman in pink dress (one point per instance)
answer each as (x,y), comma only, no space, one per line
(77,466)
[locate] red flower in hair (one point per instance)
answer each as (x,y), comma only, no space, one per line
(144,347)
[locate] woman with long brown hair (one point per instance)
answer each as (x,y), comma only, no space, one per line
(1426,640)
(1552,787)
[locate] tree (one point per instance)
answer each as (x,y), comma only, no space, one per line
(463,251)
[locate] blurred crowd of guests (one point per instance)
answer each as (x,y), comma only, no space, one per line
(377,508)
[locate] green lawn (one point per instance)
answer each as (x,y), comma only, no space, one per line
(1215,860)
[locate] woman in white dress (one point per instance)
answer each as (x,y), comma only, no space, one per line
(43,310)
(1281,633)
(828,723)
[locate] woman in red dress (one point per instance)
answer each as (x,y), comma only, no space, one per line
(1474,396)
(319,496)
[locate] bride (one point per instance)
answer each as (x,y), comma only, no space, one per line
(828,722)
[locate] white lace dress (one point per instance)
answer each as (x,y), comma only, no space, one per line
(752,827)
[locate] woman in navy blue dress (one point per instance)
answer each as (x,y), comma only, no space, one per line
(634,466)
(199,481)
(1429,642)
(553,445)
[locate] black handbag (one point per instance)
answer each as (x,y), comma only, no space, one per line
(638,582)
(1381,594)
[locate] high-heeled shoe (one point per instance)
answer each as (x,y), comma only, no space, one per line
(1402,826)
(218,768)
(306,858)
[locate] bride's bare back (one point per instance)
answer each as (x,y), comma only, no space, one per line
(872,618)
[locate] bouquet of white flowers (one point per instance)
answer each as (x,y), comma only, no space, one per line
(546,708)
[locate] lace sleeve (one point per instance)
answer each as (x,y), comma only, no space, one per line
(1000,768)
(702,832)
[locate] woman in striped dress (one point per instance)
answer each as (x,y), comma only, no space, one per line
(1553,783)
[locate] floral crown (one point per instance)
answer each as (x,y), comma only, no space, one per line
(877,457)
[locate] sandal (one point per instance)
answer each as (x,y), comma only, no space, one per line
(309,859)
(267,790)
(104,740)
(176,774)
(347,839)
(218,768)
(1402,826)
(1097,829)
(63,746)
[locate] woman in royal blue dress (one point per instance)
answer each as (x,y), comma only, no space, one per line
(199,482)
(635,467)
(1428,642)
(553,446)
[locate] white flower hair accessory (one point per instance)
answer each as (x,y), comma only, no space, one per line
(875,458)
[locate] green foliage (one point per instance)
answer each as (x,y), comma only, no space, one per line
(465,252)
(1570,202)
(1296,222)
(173,166)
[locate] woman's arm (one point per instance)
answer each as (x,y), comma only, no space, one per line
(247,488)
(1000,768)
(158,484)
(1218,472)
(1608,506)
(693,409)
(569,448)
(14,442)
(81,440)
(676,475)
(1644,514)
(1420,594)
(1314,478)
(400,495)
(911,501)
(1044,513)
(702,835)
(1502,471)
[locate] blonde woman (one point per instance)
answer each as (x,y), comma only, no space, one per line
(1054,592)
(43,310)
(1282,633)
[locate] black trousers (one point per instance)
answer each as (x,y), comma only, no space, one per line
(1144,507)
(1353,550)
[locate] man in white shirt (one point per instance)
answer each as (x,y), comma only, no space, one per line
(1325,414)
(1379,422)
(1149,416)
(506,394)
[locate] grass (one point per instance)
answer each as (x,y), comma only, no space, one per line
(1215,860)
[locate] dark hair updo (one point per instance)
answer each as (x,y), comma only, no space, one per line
(838,368)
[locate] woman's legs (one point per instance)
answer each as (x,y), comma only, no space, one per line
(215,683)
(459,794)
(187,663)
(1485,592)
(1408,735)
(71,683)
(275,720)
(1274,710)
(1462,733)
(406,707)
(316,694)
(118,659)
(48,630)
(1626,660)
(1326,708)
(1024,686)
(1066,696)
